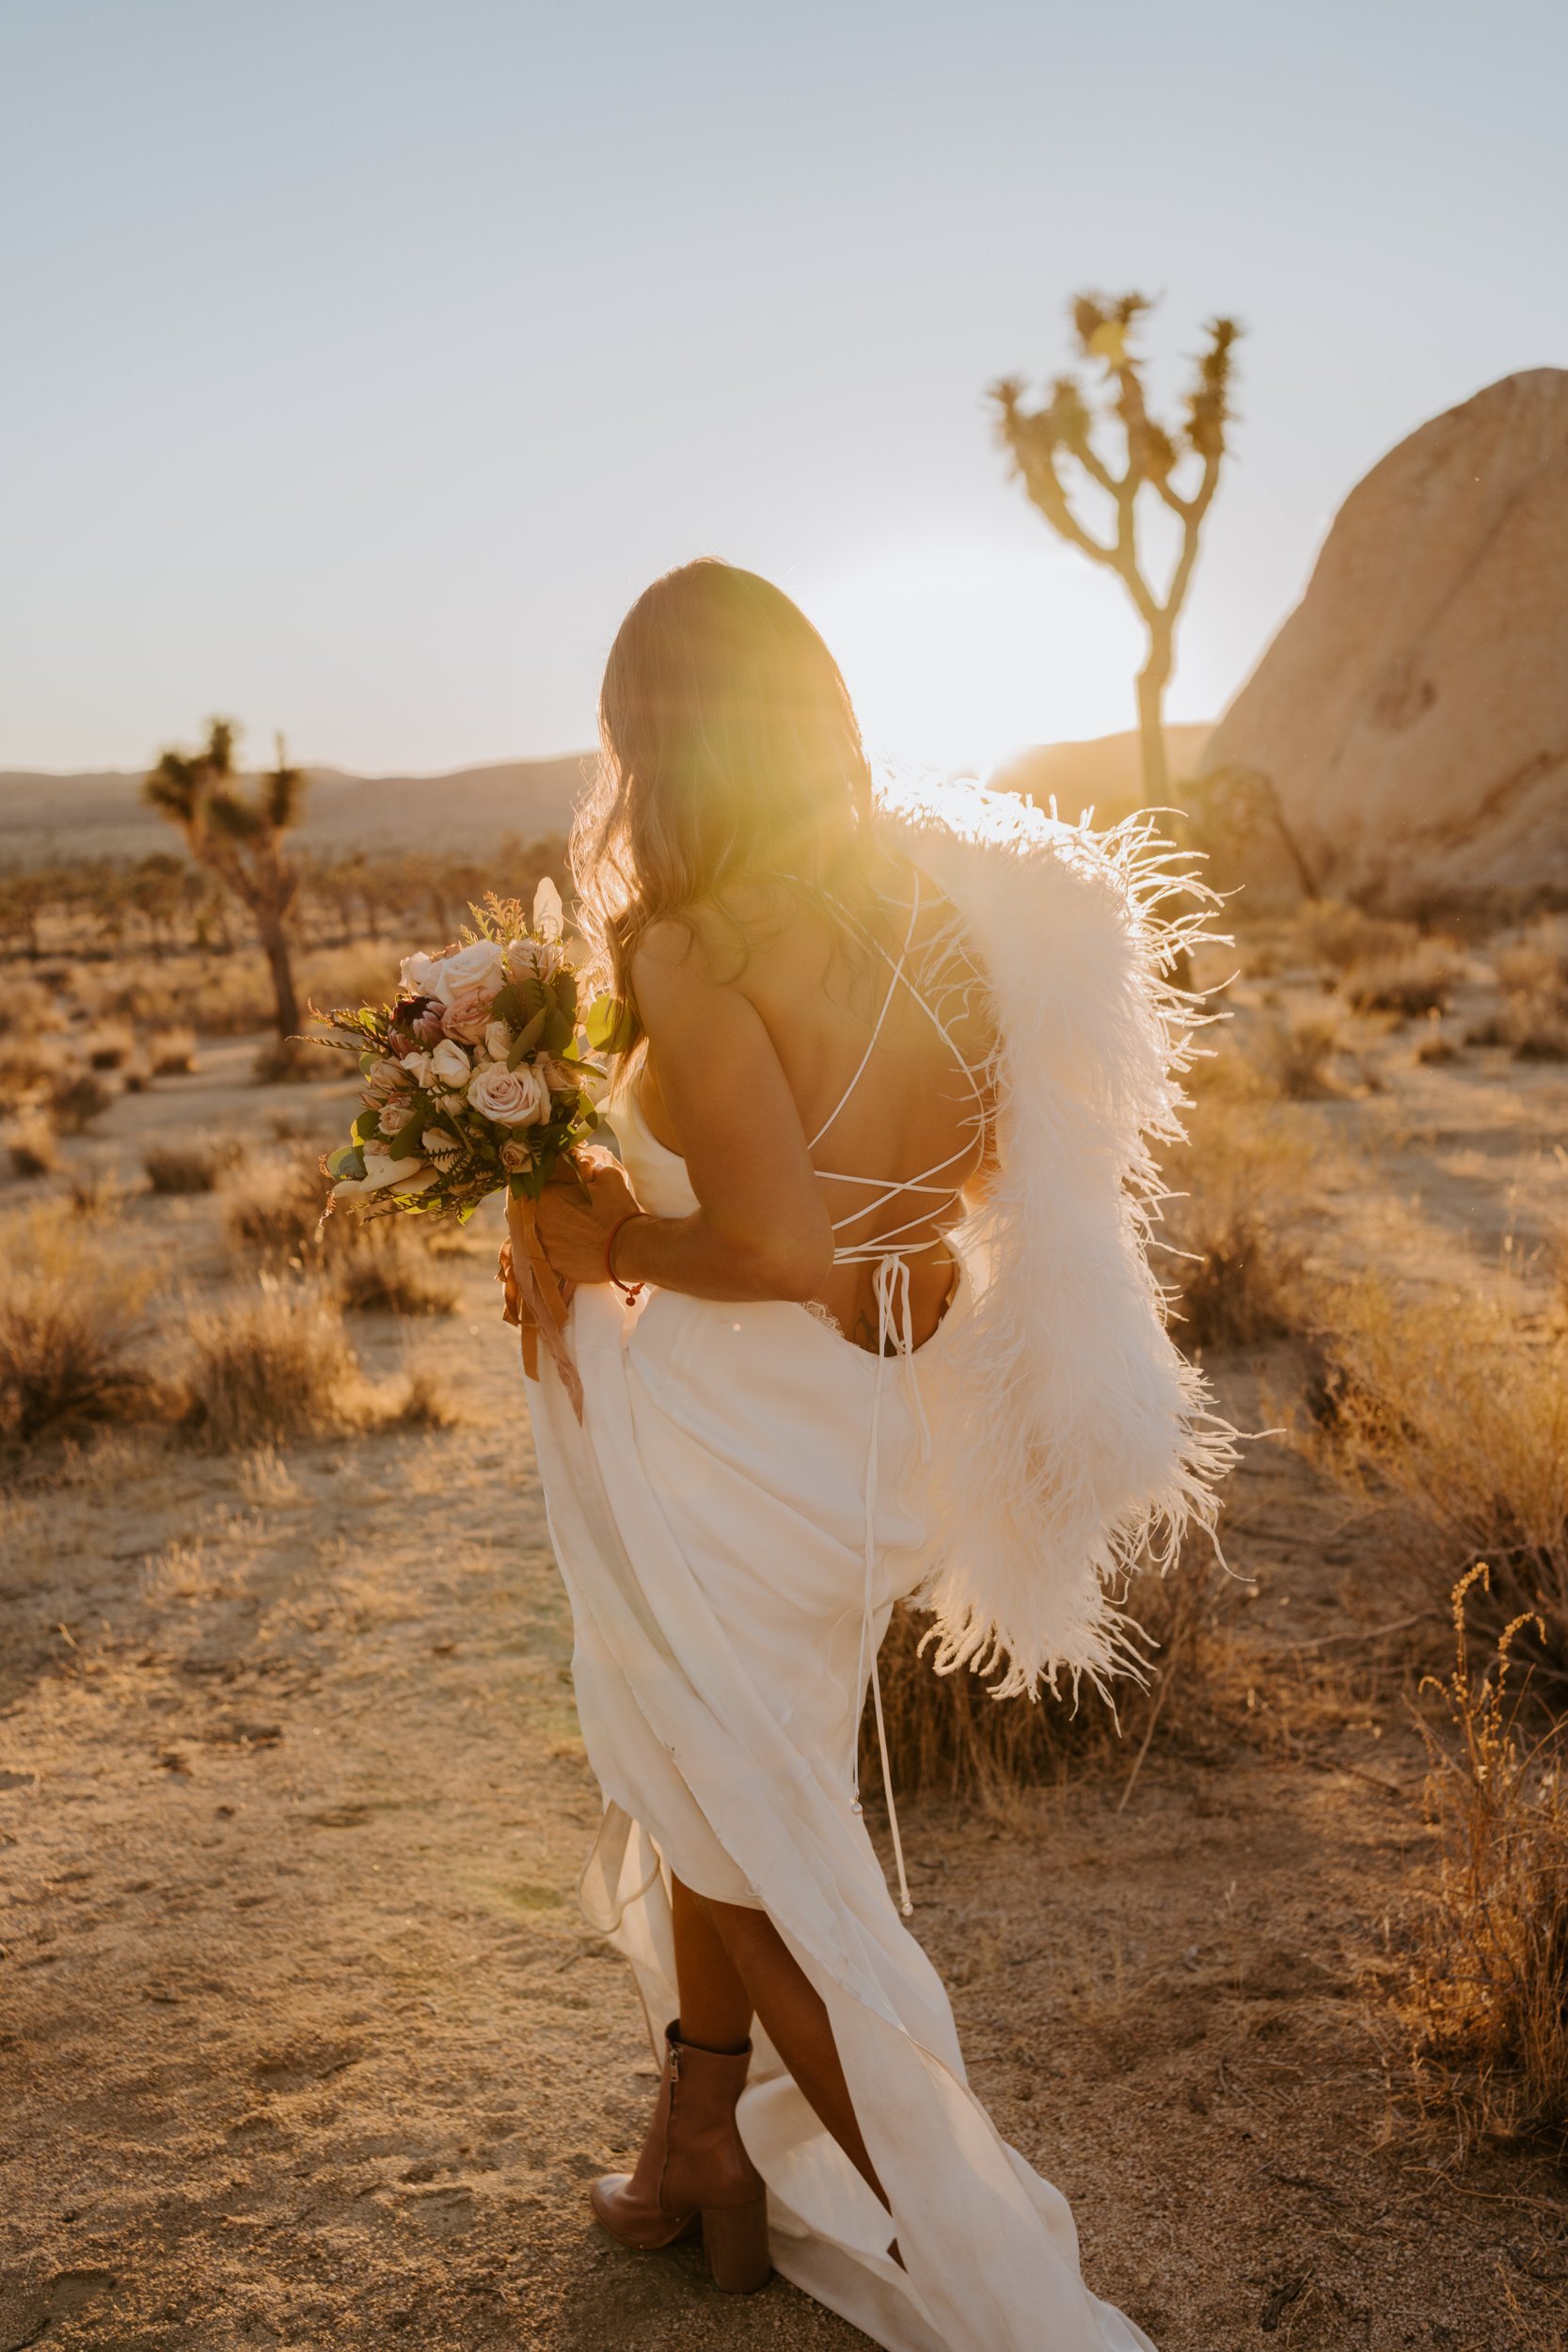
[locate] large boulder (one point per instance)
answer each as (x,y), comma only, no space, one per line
(1412,715)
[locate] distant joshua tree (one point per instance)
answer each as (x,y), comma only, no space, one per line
(240,838)
(1039,440)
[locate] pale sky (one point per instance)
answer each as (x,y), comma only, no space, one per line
(364,359)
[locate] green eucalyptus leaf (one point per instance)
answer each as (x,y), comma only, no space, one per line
(558,1031)
(608,1025)
(406,1144)
(527,1038)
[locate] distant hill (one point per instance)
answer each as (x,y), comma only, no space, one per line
(46,819)
(1103,774)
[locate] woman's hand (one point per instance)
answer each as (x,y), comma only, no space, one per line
(574,1230)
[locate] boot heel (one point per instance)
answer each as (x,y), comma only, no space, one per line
(735,2239)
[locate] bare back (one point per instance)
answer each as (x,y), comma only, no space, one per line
(886,1045)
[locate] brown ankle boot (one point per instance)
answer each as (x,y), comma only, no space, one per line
(693,2162)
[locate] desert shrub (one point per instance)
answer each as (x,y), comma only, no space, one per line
(30,1066)
(948,1736)
(32,1145)
(71,1329)
(1296,1054)
(294,1061)
(77,1100)
(180,1169)
(272,1364)
(1484,1999)
(427,1402)
(275,1208)
(1530,968)
(1224,1245)
(1419,980)
(1336,935)
(363,975)
(385,1268)
(173,1053)
(109,1047)
(1451,1410)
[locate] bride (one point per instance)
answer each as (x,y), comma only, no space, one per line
(861,1311)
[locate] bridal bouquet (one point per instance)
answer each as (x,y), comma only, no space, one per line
(477,1079)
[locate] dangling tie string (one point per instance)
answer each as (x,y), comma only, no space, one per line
(892,1274)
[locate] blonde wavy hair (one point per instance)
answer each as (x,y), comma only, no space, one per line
(730,755)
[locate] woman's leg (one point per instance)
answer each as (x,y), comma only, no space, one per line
(771,1981)
(716,2008)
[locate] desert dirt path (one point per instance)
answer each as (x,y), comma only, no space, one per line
(303,2043)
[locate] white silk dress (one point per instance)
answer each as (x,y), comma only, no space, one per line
(733,1518)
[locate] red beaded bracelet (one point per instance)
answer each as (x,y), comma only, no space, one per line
(627,1290)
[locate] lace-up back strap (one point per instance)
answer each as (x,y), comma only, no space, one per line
(896,1239)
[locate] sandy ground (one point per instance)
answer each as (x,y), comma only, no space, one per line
(302,2040)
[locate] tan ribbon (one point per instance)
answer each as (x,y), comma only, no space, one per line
(542,1302)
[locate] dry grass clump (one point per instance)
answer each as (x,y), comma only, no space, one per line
(946,1734)
(71,1332)
(173,1053)
(182,1169)
(272,1365)
(1418,980)
(1225,1249)
(384,1267)
(110,1046)
(1533,975)
(77,1101)
(275,1208)
(1297,1054)
(1485,1997)
(32,1145)
(294,1061)
(1337,935)
(1452,1410)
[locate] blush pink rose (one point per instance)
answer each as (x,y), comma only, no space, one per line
(512,1098)
(466,1013)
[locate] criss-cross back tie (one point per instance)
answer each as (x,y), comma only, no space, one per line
(888,1253)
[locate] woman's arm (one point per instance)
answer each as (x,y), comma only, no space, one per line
(763,1231)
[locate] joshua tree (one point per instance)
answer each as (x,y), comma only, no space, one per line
(1041,440)
(239,836)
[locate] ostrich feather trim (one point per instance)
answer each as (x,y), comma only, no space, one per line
(1072,1441)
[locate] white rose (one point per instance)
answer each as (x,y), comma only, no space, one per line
(384,1078)
(512,1097)
(416,1067)
(542,957)
(416,975)
(480,965)
(497,1040)
(449,1065)
(382,1170)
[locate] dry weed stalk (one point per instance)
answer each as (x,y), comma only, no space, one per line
(1226,1255)
(1485,2000)
(1450,1406)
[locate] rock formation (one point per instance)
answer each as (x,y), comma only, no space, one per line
(1412,714)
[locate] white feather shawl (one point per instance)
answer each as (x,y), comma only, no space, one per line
(1072,1441)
